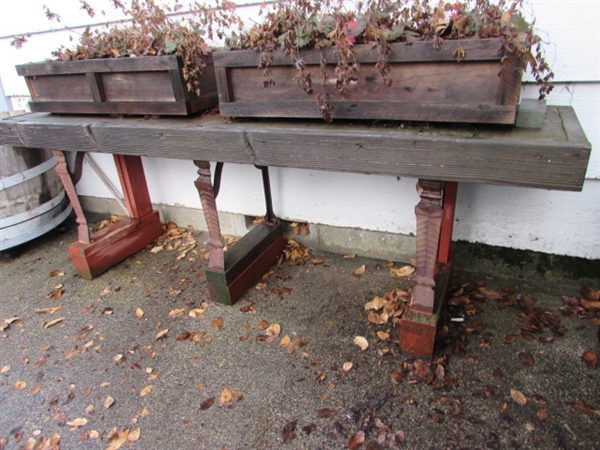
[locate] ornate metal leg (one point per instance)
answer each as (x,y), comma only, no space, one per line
(209,206)
(83,233)
(429,214)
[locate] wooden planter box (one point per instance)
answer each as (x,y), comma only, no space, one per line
(428,84)
(151,85)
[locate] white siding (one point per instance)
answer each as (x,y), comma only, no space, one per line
(566,223)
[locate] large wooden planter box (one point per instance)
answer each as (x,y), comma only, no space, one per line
(152,85)
(427,84)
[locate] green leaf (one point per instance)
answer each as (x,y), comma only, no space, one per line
(171,47)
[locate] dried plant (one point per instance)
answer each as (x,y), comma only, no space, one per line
(153,30)
(293,25)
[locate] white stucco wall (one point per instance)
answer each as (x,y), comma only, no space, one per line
(565,223)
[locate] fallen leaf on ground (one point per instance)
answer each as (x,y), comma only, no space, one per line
(19,386)
(347,366)
(53,322)
(134,435)
(358,272)
(207,404)
(589,295)
(542,414)
(584,408)
(349,256)
(316,262)
(526,358)
(590,358)
(53,310)
(356,441)
(217,323)
(139,313)
(108,402)
(161,334)
(79,422)
(272,332)
(285,341)
(262,325)
(361,342)
(325,413)
(146,390)
(401,272)
(375,304)
(6,322)
(56,273)
(296,344)
(518,397)
(288,431)
(35,389)
(196,313)
(177,313)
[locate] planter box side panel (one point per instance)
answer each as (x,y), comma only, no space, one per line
(446,91)
(74,88)
(140,86)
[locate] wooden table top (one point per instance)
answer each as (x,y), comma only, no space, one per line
(553,157)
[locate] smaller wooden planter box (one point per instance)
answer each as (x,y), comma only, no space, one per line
(151,85)
(427,84)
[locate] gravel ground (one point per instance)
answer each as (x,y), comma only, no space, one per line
(514,373)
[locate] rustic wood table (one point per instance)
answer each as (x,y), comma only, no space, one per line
(552,157)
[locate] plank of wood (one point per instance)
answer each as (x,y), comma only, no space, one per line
(475,50)
(553,157)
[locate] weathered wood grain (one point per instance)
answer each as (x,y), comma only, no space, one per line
(552,157)
(138,86)
(424,83)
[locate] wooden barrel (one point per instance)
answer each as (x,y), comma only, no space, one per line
(32,198)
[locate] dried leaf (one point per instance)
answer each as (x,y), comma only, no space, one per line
(262,325)
(375,304)
(207,404)
(197,313)
(396,377)
(79,422)
(273,332)
(177,313)
(402,272)
(383,335)
(296,344)
(288,431)
(36,389)
(134,435)
(584,408)
(518,397)
(19,386)
(108,402)
(349,256)
(226,396)
(590,358)
(358,272)
(217,323)
(347,366)
(146,390)
(161,334)
(590,305)
(526,359)
(48,310)
(361,342)
(53,322)
(357,440)
(593,296)
(542,414)
(285,341)
(325,413)
(5,369)
(56,273)
(316,262)
(139,313)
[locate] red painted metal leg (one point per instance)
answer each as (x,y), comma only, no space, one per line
(435,217)
(119,241)
(83,233)
(204,185)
